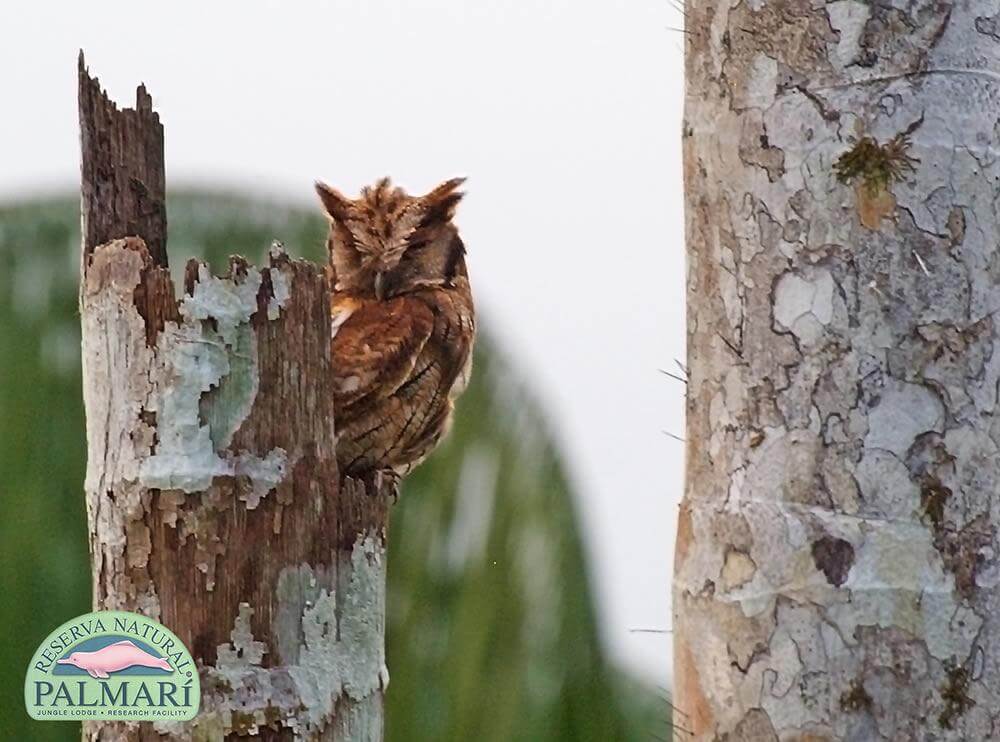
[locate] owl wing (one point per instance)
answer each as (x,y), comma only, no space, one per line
(375,345)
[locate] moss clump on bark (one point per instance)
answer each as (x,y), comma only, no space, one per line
(856,699)
(933,496)
(876,165)
(955,694)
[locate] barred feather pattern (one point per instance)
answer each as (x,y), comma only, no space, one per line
(403,323)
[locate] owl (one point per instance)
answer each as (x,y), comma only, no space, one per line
(403,323)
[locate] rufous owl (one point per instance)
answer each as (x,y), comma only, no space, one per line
(403,323)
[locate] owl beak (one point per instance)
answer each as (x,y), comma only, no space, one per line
(380,285)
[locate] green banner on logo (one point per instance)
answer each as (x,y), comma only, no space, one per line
(112,665)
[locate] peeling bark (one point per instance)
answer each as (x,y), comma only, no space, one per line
(837,571)
(213,496)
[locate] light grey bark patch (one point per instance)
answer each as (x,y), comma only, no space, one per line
(299,587)
(227,302)
(343,648)
(783,468)
(738,570)
(226,404)
(887,105)
(803,304)
(848,18)
(900,413)
(256,476)
(243,652)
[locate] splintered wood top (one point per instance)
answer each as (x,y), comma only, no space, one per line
(122,189)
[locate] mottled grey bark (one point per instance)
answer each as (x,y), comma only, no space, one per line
(837,563)
(214,500)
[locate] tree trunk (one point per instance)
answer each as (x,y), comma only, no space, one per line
(837,569)
(213,496)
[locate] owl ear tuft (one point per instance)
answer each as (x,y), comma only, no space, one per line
(336,204)
(441,202)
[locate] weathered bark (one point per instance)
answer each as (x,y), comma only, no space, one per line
(837,560)
(213,496)
(123,180)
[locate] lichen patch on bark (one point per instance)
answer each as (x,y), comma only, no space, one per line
(203,387)
(329,630)
(873,168)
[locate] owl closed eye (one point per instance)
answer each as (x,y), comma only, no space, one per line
(386,242)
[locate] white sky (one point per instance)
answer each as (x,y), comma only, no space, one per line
(565,115)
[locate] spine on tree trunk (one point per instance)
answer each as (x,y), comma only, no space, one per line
(213,496)
(836,573)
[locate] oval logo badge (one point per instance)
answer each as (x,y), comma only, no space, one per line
(112,665)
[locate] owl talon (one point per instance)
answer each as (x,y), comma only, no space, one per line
(387,483)
(379,483)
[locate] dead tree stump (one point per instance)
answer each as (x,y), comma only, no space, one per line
(213,497)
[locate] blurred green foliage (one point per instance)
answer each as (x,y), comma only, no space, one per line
(492,631)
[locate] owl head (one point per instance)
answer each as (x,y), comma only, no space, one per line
(386,243)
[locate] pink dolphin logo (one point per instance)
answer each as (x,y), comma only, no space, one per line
(113,658)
